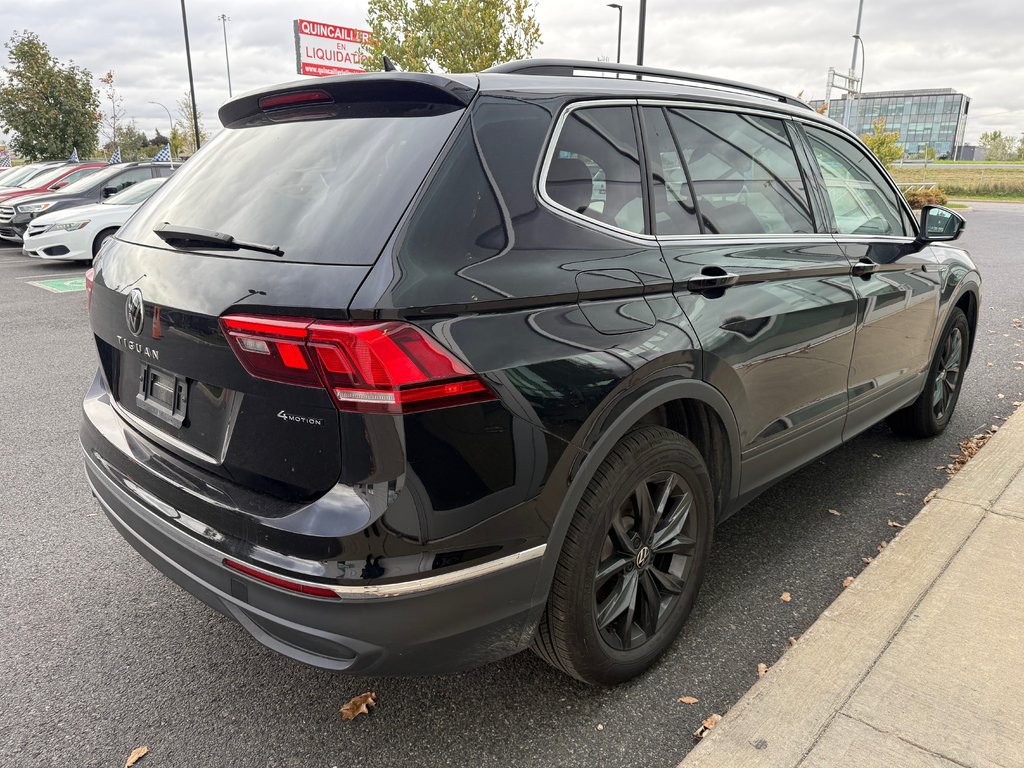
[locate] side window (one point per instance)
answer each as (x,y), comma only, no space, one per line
(863,202)
(129,177)
(744,172)
(595,168)
(674,210)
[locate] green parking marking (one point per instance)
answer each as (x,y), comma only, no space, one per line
(61,285)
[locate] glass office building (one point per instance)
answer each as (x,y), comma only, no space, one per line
(935,117)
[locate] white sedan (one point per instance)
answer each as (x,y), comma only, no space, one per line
(77,233)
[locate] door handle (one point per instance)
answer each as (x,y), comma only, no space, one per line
(865,267)
(711,278)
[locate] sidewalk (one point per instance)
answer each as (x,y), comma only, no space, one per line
(920,662)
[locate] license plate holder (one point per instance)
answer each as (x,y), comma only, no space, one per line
(163,394)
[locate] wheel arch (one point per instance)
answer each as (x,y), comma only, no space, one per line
(668,401)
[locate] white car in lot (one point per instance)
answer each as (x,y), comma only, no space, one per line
(77,233)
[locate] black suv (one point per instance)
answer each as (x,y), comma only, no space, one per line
(479,361)
(16,214)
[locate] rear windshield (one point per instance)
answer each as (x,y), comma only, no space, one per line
(326,191)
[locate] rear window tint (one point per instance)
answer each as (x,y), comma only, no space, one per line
(324,191)
(595,168)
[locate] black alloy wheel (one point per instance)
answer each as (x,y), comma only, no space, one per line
(645,561)
(632,561)
(947,379)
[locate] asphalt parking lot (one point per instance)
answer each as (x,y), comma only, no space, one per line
(101,654)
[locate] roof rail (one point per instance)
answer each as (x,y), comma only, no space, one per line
(570,67)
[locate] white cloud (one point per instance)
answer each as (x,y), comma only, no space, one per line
(978,50)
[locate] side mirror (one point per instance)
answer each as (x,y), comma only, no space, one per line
(59,185)
(108,191)
(938,223)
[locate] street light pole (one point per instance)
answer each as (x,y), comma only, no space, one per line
(640,38)
(618,49)
(191,81)
(853,65)
(170,122)
(224,19)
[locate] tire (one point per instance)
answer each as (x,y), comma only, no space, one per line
(609,530)
(930,413)
(102,238)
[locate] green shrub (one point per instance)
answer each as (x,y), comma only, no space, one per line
(919,198)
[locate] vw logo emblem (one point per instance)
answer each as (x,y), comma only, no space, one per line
(133,311)
(643,557)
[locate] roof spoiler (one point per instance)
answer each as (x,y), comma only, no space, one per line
(370,88)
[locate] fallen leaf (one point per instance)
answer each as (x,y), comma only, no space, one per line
(882,545)
(968,450)
(137,754)
(867,560)
(762,670)
(706,726)
(847,581)
(834,512)
(931,495)
(786,597)
(359,705)
(1000,396)
(988,365)
(687,700)
(792,641)
(900,493)
(876,455)
(600,726)
(894,524)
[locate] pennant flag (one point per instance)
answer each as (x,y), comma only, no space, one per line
(163,156)
(5,160)
(74,156)
(116,157)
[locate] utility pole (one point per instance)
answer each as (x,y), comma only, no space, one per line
(191,81)
(640,39)
(857,82)
(224,19)
(618,50)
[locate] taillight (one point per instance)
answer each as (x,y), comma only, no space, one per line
(387,367)
(90,275)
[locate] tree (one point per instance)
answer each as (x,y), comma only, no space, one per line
(183,137)
(130,139)
(111,119)
(449,35)
(48,107)
(997,146)
(884,144)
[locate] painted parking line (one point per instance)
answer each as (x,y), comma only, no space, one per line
(61,285)
(52,275)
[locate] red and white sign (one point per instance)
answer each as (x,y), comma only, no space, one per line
(328,49)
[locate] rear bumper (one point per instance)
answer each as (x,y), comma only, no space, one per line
(428,628)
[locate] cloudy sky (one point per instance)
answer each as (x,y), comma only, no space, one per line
(977,49)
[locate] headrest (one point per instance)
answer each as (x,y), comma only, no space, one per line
(570,183)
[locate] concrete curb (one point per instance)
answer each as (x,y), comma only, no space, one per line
(782,718)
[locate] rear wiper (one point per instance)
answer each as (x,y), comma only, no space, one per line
(192,237)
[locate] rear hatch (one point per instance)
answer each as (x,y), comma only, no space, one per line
(281,216)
